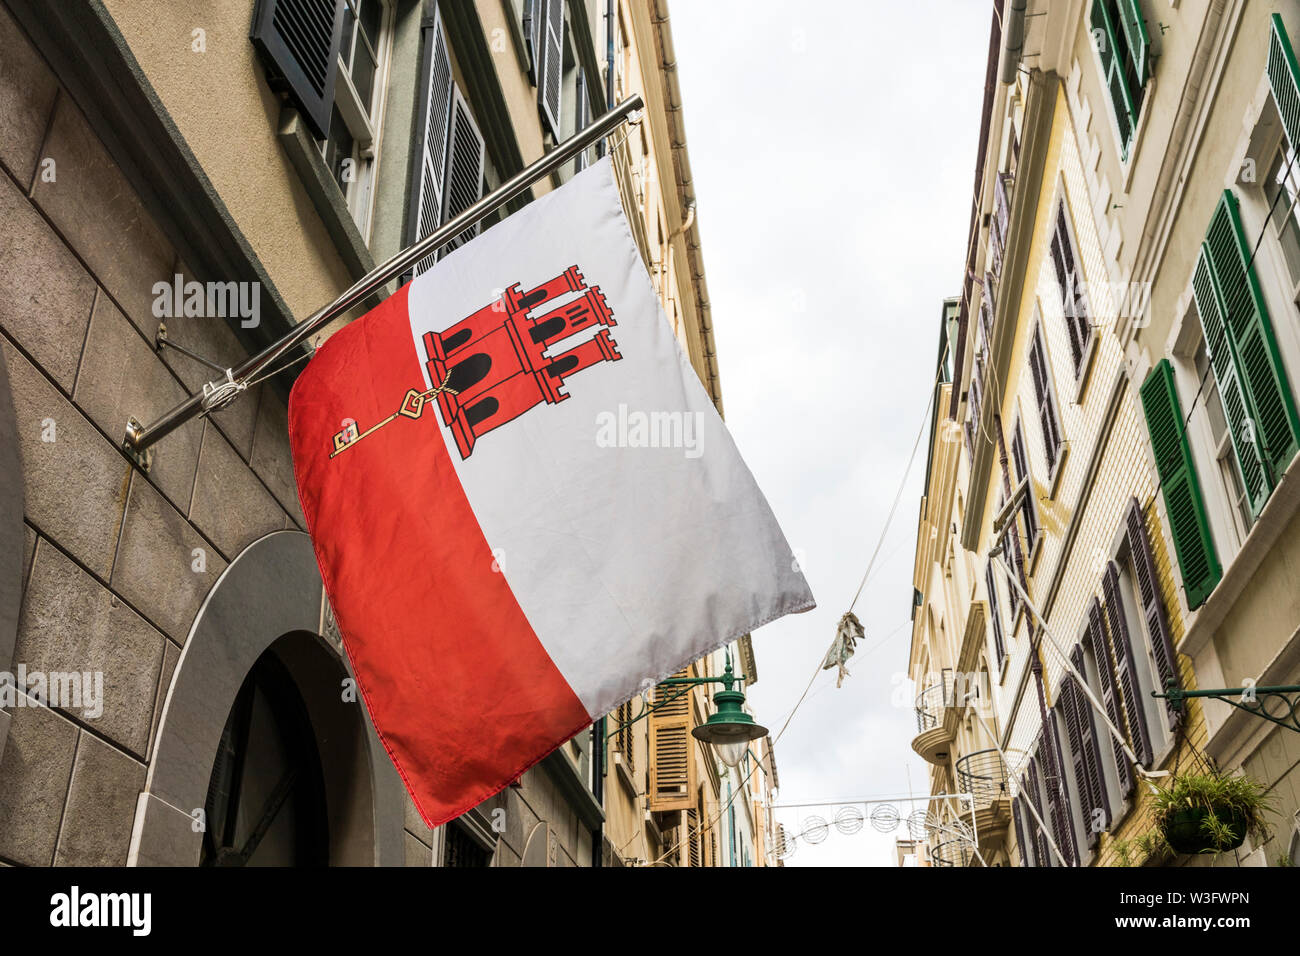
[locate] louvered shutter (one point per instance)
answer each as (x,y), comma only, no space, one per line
(464,167)
(694,843)
(1106,32)
(1121,646)
(430,153)
(1153,607)
(672,771)
(1042,849)
(1250,463)
(298,42)
(1139,44)
(1096,639)
(1179,484)
(1251,340)
(1086,750)
(1018,814)
(550,70)
(1284,80)
(1058,797)
(1074,737)
(995,614)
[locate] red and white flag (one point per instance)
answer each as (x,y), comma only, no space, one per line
(512,557)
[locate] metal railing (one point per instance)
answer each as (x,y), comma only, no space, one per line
(984,775)
(931,702)
(954,851)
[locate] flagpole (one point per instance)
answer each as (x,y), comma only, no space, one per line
(216,394)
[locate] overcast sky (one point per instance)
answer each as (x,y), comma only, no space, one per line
(833,148)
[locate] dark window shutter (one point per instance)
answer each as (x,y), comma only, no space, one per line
(1085,750)
(1042,849)
(1284,80)
(1250,464)
(464,167)
(1058,797)
(551,68)
(298,42)
(1018,815)
(430,154)
(1251,341)
(995,614)
(1096,639)
(1121,646)
(1153,608)
(1179,484)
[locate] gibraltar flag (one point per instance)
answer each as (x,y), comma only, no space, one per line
(515,555)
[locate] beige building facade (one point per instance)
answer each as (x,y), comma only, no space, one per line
(283,147)
(1127,149)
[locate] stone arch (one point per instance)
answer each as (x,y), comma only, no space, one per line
(270,597)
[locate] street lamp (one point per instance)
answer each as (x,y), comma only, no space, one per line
(729,729)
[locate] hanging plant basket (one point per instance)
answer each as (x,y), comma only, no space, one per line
(1210,812)
(1186,831)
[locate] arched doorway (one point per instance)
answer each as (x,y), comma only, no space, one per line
(266,802)
(255,654)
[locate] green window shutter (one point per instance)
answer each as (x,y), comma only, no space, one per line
(1251,341)
(1105,38)
(1182,491)
(1284,80)
(1139,44)
(1249,465)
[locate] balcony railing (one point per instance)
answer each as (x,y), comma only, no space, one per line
(931,702)
(954,851)
(983,774)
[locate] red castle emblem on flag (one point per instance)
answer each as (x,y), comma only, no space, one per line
(495,362)
(492,366)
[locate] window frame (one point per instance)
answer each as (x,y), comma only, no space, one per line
(1135,110)
(1038,342)
(365,126)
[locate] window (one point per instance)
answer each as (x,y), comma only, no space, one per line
(995,614)
(449,158)
(351,146)
(1282,189)
(1092,784)
(1243,353)
(1070,283)
(974,429)
(460,849)
(1211,405)
(1119,35)
(1049,417)
(1133,651)
(1029,509)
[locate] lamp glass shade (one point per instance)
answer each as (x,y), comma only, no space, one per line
(732,752)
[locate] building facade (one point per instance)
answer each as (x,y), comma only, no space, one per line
(1099,536)
(180,183)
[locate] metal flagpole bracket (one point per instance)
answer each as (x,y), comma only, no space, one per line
(215,394)
(1281,704)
